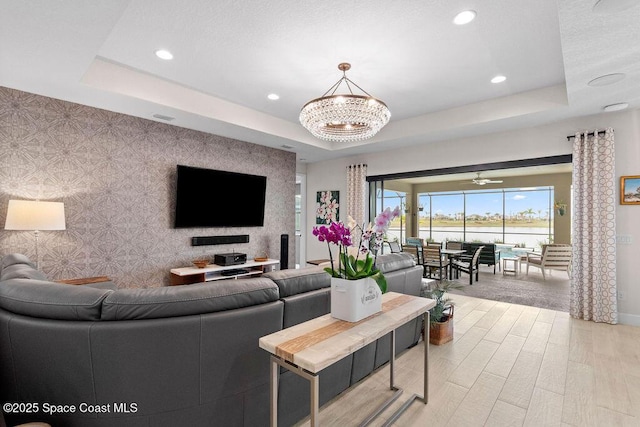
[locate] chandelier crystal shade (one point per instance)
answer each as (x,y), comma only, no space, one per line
(344,117)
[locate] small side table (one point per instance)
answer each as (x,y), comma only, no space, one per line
(523,259)
(505,265)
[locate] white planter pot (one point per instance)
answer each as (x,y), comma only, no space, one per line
(353,300)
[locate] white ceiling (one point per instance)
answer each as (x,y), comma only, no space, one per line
(229,55)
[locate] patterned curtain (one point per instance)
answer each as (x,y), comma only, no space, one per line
(357,192)
(593,281)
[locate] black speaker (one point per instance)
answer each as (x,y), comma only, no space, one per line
(219,240)
(284,251)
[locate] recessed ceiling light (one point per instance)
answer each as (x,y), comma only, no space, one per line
(607,79)
(464,17)
(613,6)
(273,96)
(498,79)
(616,107)
(164,54)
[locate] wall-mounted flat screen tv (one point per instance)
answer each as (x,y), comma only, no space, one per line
(215,198)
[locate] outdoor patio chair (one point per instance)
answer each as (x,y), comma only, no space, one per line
(553,257)
(469,267)
(415,241)
(435,262)
(414,246)
(454,245)
(394,247)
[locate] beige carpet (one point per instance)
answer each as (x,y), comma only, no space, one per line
(531,290)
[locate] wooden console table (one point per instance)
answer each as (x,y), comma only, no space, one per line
(309,347)
(188,275)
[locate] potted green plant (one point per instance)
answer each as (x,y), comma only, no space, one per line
(561,207)
(441,315)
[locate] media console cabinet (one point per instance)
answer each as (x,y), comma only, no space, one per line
(188,275)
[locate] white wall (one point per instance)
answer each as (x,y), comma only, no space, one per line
(541,141)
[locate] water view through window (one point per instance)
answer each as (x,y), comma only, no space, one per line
(514,216)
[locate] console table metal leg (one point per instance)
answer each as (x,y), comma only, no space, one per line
(314,388)
(392,358)
(398,391)
(427,331)
(273,393)
(425,398)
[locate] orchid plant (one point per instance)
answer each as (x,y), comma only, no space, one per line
(362,265)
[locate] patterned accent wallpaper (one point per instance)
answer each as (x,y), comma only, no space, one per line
(116,175)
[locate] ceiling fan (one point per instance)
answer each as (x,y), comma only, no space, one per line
(483,181)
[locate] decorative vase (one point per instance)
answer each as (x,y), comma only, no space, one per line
(353,300)
(442,332)
(561,211)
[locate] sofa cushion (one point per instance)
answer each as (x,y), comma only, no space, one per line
(297,281)
(18,266)
(392,262)
(185,300)
(39,298)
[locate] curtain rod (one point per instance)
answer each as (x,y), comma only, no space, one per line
(357,166)
(600,132)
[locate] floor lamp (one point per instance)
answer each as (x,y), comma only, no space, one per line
(35,216)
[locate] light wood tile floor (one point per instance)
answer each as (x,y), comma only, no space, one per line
(510,365)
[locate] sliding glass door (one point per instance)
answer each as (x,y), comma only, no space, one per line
(391,199)
(517,216)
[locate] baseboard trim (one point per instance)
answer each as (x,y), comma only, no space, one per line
(629,319)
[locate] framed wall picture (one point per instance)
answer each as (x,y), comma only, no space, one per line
(630,190)
(327,206)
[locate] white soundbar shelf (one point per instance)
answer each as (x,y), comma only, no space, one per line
(188,275)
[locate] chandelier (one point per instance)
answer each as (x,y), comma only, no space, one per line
(344,117)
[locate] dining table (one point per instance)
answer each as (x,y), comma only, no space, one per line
(451,255)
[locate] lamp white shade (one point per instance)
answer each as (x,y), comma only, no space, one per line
(34,215)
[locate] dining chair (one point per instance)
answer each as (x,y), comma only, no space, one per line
(454,245)
(414,241)
(394,247)
(414,245)
(434,261)
(470,267)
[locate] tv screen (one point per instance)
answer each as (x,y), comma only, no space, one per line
(215,198)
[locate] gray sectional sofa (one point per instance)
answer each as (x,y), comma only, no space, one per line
(179,355)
